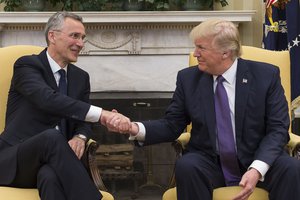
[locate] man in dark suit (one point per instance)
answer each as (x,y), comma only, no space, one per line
(258,121)
(48,115)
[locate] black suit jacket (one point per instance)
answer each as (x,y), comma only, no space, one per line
(261,113)
(35,104)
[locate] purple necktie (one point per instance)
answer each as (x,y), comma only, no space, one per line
(62,85)
(227,151)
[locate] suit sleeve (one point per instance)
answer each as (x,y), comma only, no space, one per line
(276,122)
(30,80)
(174,122)
(81,127)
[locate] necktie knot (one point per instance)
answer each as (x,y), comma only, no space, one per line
(220,79)
(62,73)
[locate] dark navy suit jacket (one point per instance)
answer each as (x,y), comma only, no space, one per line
(35,104)
(261,113)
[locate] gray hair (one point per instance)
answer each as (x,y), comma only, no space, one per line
(56,22)
(225,35)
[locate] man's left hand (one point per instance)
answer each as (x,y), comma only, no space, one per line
(77,145)
(248,183)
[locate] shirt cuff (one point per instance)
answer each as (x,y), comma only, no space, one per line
(140,136)
(261,167)
(93,114)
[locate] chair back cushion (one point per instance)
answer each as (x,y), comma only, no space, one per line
(8,56)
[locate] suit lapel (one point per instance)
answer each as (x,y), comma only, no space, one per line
(49,74)
(243,82)
(71,75)
(207,95)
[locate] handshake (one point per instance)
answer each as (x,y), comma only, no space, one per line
(116,122)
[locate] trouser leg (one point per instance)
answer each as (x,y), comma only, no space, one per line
(196,177)
(51,148)
(47,179)
(283,179)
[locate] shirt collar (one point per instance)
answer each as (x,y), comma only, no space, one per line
(54,66)
(230,74)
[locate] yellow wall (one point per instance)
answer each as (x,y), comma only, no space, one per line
(1,6)
(251,32)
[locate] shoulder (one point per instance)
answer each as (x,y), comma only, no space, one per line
(262,74)
(33,59)
(190,71)
(257,67)
(191,76)
(76,73)
(260,71)
(77,70)
(29,61)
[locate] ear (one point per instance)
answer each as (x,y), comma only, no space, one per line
(226,54)
(51,36)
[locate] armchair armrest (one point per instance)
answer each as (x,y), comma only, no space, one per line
(293,146)
(89,161)
(184,138)
(179,145)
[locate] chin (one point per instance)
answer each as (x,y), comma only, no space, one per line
(73,59)
(202,68)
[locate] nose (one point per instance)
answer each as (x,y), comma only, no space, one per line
(80,43)
(196,53)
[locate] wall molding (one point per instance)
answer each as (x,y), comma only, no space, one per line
(132,17)
(124,51)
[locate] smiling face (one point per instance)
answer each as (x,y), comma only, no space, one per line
(217,45)
(66,43)
(210,58)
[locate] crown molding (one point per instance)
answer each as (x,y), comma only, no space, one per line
(120,17)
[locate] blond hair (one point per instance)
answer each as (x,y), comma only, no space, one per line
(225,35)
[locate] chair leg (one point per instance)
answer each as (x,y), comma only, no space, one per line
(91,165)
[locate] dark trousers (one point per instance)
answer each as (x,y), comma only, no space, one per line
(47,162)
(197,175)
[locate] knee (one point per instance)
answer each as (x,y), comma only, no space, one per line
(46,176)
(288,167)
(293,168)
(53,140)
(184,167)
(52,135)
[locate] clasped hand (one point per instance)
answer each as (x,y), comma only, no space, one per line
(115,121)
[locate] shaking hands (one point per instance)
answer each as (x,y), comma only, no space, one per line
(115,121)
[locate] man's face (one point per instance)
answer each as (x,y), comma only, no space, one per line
(67,42)
(209,57)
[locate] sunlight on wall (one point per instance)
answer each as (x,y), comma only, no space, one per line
(1,7)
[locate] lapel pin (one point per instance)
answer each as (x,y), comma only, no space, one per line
(245,80)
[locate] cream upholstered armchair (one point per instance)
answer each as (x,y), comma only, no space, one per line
(8,55)
(278,58)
